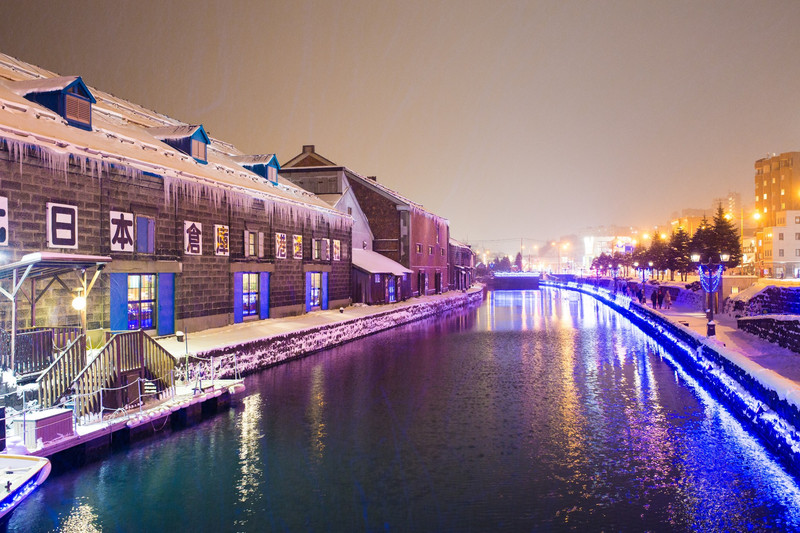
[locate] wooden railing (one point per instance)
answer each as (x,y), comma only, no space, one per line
(34,351)
(35,347)
(56,380)
(158,362)
(62,335)
(124,354)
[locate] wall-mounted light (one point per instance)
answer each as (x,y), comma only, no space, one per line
(79,303)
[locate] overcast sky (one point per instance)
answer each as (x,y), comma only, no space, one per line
(511,119)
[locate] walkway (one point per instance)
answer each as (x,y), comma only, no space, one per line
(771,356)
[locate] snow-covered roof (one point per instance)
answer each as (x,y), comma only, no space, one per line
(120,136)
(256,159)
(43,85)
(375,263)
(173,132)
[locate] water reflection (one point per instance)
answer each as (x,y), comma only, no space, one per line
(251,470)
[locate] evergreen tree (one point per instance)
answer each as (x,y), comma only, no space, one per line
(658,253)
(518,261)
(725,239)
(701,242)
(679,260)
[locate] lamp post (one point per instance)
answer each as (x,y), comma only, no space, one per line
(711,280)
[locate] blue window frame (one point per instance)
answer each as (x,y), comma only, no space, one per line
(316,289)
(141,300)
(250,294)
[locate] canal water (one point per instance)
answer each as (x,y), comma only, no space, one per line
(538,411)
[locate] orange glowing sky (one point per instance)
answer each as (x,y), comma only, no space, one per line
(511,119)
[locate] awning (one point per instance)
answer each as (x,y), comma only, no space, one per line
(375,263)
(48,264)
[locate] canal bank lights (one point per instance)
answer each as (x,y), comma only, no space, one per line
(711,281)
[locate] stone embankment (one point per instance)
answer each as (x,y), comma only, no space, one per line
(253,355)
(762,400)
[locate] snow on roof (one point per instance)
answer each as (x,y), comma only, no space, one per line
(254,159)
(375,263)
(121,136)
(42,85)
(173,132)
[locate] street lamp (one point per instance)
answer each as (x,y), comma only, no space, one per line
(711,280)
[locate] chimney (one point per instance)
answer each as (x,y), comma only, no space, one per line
(308,148)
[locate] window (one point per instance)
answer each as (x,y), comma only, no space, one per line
(250,294)
(280,246)
(797,236)
(145,234)
(77,109)
(797,252)
(442,252)
(797,220)
(783,192)
(316,289)
(141,300)
(199,150)
(430,250)
(321,250)
(251,243)
(780,236)
(337,250)
(780,252)
(419,248)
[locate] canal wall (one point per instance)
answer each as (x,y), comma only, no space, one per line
(783,330)
(762,400)
(249,357)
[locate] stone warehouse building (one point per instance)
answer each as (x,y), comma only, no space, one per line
(198,234)
(384,222)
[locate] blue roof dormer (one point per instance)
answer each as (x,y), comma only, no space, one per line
(66,95)
(265,165)
(191,140)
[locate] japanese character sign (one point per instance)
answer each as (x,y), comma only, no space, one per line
(62,226)
(121,231)
(3,221)
(280,245)
(221,240)
(297,246)
(192,238)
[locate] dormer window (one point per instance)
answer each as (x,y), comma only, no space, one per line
(265,165)
(191,140)
(66,95)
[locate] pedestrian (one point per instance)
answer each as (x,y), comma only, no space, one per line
(654,298)
(660,297)
(667,300)
(640,295)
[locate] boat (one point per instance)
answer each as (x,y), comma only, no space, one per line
(19,477)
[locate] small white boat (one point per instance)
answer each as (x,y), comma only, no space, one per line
(19,476)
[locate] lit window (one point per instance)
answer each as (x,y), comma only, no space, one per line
(419,248)
(316,289)
(783,192)
(141,300)
(250,293)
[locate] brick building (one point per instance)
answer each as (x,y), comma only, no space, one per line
(462,265)
(200,234)
(384,221)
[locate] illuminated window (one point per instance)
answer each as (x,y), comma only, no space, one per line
(316,289)
(419,248)
(430,250)
(783,192)
(250,293)
(141,300)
